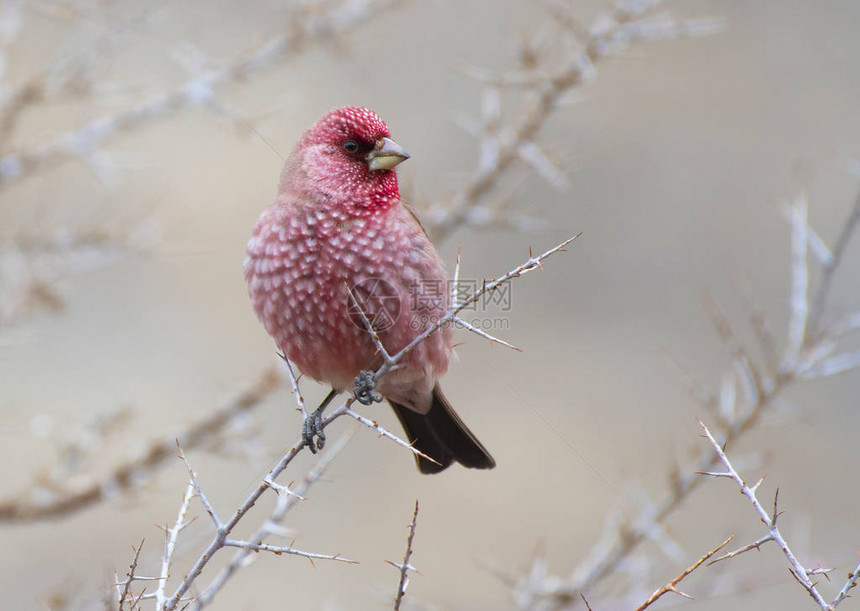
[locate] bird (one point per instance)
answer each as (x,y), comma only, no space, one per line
(339,257)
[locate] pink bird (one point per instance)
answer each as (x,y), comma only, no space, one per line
(338,249)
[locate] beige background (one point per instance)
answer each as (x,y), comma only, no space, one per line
(709,138)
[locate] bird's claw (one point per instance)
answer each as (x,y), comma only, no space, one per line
(312,431)
(365,388)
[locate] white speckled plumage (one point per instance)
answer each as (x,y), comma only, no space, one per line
(336,225)
(333,225)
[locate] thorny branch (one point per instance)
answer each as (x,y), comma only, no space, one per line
(224,528)
(800,573)
(531,264)
(373,424)
(287,496)
(808,356)
(672,586)
(125,594)
(404,567)
(172,534)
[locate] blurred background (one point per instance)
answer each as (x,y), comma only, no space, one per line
(124,317)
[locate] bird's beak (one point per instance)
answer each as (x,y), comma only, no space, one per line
(386,155)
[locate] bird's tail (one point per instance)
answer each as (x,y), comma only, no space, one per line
(441,435)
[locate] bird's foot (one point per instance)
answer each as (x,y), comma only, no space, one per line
(312,431)
(312,427)
(365,388)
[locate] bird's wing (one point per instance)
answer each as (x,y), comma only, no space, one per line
(414,214)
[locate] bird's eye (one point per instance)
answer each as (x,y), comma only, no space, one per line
(350,146)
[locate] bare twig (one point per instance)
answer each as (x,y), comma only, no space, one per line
(404,567)
(368,326)
(531,264)
(172,535)
(294,384)
(799,279)
(850,584)
(672,586)
(798,571)
(255,543)
(220,537)
(372,424)
(125,586)
(195,484)
(820,303)
(755,545)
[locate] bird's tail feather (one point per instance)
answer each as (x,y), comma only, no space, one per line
(441,435)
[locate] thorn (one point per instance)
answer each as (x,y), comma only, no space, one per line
(680,593)
(776,512)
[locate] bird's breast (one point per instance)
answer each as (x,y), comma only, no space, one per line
(302,268)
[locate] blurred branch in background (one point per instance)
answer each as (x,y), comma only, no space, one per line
(33,266)
(551,68)
(30,273)
(74,76)
(815,348)
(69,488)
(307,24)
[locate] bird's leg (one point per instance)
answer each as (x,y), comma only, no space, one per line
(365,388)
(312,426)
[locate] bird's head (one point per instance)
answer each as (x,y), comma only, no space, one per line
(346,158)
